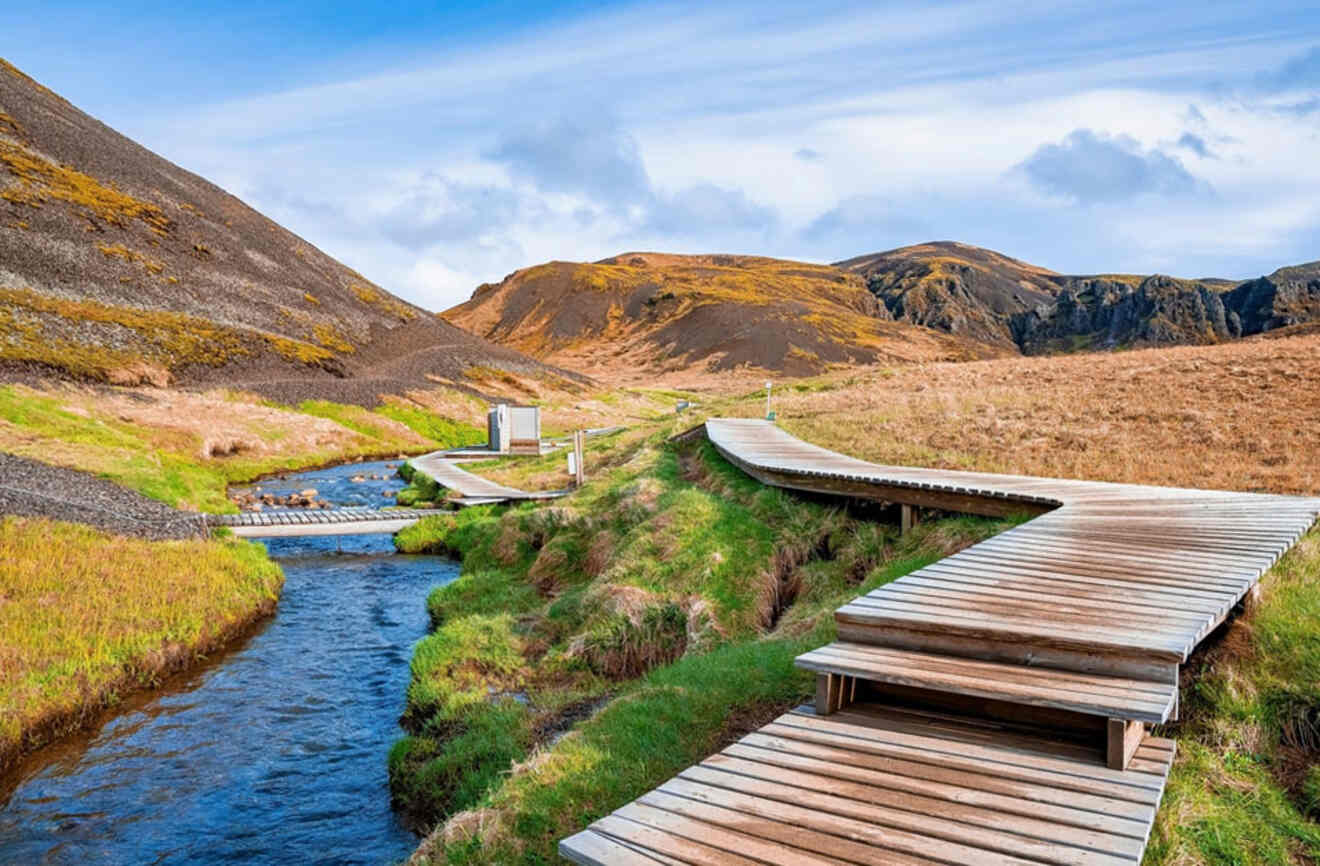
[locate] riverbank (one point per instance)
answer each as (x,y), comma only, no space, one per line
(593,648)
(97,478)
(89,617)
(184,448)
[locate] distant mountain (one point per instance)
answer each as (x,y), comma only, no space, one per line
(639,315)
(117,265)
(985,295)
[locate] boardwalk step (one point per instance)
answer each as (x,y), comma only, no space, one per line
(874,785)
(1089,694)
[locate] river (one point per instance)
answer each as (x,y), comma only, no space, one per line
(273,751)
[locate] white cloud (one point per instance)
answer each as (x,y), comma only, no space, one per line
(690,128)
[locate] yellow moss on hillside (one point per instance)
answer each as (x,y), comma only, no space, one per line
(373,297)
(119,251)
(329,337)
(34,328)
(297,350)
(11,124)
(40,180)
(160,337)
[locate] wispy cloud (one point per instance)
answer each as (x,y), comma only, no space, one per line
(821,132)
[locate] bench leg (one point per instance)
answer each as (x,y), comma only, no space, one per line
(1124,737)
(834,692)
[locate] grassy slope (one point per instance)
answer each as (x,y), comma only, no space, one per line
(175,455)
(652,596)
(81,625)
(1245,789)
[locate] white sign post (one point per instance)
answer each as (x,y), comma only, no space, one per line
(769,416)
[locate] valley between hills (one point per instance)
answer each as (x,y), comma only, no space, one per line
(165,350)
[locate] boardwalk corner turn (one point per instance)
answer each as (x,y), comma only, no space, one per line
(988,708)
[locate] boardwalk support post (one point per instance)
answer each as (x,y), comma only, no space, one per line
(580,474)
(834,692)
(909,518)
(1124,737)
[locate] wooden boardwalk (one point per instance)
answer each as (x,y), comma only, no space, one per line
(474,490)
(472,487)
(302,522)
(988,708)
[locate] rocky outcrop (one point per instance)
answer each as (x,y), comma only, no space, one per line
(1107,312)
(1289,296)
(1110,312)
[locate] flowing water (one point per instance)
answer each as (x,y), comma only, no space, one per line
(274,751)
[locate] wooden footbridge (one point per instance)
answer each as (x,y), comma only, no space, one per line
(990,708)
(473,490)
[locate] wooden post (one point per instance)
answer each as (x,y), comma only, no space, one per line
(909,518)
(579,439)
(834,692)
(1123,738)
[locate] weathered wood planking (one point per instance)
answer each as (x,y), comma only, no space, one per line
(1088,609)
(447,474)
(870,785)
(1115,578)
(1119,697)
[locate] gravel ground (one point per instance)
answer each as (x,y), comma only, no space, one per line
(34,489)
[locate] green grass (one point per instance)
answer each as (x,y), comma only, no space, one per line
(82,626)
(444,432)
(1244,787)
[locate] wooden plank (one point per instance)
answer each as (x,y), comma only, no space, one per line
(939,818)
(590,848)
(1099,696)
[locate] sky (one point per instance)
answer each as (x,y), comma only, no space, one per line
(436,146)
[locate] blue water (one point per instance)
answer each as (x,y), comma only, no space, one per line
(274,751)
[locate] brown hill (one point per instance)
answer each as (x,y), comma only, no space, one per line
(642,315)
(119,266)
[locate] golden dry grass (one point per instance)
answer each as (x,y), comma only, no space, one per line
(82,621)
(1240,416)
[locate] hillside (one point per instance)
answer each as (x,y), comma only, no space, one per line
(643,315)
(987,296)
(955,287)
(118,266)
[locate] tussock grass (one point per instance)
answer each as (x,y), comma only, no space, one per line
(87,617)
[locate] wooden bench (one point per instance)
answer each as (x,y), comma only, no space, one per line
(1126,704)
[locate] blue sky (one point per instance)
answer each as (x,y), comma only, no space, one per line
(434,147)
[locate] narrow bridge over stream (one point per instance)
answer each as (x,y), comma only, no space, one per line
(990,708)
(473,490)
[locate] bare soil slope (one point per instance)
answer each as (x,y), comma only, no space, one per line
(644,315)
(119,266)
